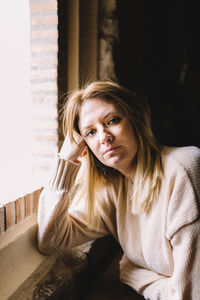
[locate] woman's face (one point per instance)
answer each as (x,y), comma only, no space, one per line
(109,134)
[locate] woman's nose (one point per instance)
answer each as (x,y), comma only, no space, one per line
(105,137)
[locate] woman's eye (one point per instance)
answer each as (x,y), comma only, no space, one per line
(90,132)
(114,120)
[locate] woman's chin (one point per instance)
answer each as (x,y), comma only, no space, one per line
(114,163)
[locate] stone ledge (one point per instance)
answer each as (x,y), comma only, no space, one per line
(18,255)
(26,274)
(23,269)
(72,271)
(56,278)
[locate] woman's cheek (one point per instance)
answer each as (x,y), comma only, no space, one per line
(91,146)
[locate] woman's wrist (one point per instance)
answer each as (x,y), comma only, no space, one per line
(64,173)
(70,159)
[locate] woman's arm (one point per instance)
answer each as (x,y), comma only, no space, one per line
(56,227)
(184,282)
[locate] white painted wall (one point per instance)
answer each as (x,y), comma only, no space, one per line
(15,103)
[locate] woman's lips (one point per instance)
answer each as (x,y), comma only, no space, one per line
(110,149)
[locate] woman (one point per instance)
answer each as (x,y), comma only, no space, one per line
(112,178)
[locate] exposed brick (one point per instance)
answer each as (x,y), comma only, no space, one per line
(50,61)
(27,205)
(45,40)
(10,214)
(41,67)
(44,52)
(39,74)
(31,202)
(35,34)
(20,209)
(43,162)
(45,132)
(46,86)
(44,27)
(2,219)
(45,124)
(44,48)
(51,5)
(41,169)
(46,112)
(45,138)
(47,99)
(46,150)
(36,195)
(44,143)
(44,20)
(44,90)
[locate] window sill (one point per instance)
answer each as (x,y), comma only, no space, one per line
(24,271)
(19,257)
(26,274)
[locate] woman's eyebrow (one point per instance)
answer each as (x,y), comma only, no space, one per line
(109,113)
(106,115)
(86,127)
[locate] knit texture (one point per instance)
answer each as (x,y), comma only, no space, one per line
(162,246)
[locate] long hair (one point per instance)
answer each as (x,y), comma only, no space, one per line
(147,180)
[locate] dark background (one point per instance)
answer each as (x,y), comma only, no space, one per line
(158,55)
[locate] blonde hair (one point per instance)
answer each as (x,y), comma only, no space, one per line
(147,181)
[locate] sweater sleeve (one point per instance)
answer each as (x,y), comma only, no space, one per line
(57,228)
(184,283)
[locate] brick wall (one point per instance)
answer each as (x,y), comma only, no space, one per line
(16,211)
(44,89)
(44,49)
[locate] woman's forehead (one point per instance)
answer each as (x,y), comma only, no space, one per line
(96,108)
(94,105)
(100,103)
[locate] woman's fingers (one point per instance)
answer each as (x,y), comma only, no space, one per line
(72,150)
(78,138)
(124,262)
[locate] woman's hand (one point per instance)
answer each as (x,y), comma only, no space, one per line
(71,150)
(124,262)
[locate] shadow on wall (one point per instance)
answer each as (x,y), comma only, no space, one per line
(158,56)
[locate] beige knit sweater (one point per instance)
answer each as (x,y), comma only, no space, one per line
(163,245)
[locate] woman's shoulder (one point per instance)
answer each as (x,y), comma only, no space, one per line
(179,152)
(183,163)
(187,157)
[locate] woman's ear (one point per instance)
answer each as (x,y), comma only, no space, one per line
(84,152)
